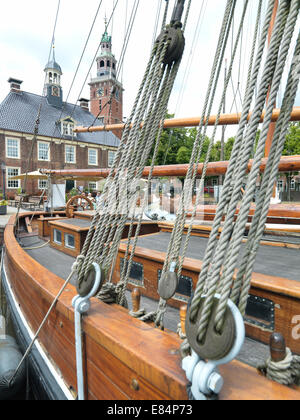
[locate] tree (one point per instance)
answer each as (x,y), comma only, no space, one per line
(292,144)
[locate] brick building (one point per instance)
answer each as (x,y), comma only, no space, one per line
(106,92)
(57,146)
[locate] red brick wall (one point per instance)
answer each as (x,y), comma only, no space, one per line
(116,106)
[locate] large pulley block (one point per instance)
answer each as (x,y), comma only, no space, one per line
(174,36)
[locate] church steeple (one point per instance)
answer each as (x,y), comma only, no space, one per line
(52,88)
(106,84)
(106,61)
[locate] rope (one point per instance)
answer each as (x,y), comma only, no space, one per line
(176,236)
(227,249)
(106,230)
(232,257)
(285,372)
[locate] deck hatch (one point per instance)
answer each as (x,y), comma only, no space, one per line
(260,312)
(184,289)
(136,275)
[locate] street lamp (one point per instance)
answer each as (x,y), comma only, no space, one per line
(3,169)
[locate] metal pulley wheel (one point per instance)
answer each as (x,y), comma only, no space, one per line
(174,36)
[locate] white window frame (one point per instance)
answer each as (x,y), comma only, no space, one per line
(110,161)
(95,163)
(74,148)
(42,184)
(67,245)
(293,184)
(55,240)
(67,128)
(48,151)
(280,185)
(18,147)
(17,181)
(93,183)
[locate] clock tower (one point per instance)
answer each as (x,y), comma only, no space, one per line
(105,87)
(52,88)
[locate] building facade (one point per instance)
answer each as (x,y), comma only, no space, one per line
(56,145)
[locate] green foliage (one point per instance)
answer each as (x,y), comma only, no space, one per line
(292,144)
(176,145)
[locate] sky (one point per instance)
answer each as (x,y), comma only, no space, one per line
(26,33)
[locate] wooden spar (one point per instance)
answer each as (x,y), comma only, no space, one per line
(225,119)
(287,164)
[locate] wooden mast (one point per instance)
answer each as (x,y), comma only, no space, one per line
(225,119)
(287,164)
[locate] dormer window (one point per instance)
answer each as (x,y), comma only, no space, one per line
(67,127)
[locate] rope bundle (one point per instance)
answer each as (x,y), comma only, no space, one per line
(222,255)
(286,372)
(122,186)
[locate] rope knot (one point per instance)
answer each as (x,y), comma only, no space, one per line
(78,262)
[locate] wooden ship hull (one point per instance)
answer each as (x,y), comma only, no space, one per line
(125,359)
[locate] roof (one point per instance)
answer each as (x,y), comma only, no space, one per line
(106,38)
(18,112)
(53,65)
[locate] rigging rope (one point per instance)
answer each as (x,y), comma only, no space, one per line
(227,250)
(104,236)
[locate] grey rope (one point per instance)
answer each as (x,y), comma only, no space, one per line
(222,247)
(247,199)
(286,372)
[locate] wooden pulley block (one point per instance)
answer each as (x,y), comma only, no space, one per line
(216,345)
(168,285)
(176,41)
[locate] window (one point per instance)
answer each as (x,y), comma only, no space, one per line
(92,186)
(67,127)
(10,172)
(13,148)
(93,157)
(280,185)
(57,236)
(111,157)
(69,241)
(293,184)
(70,154)
(42,184)
(43,151)
(101,63)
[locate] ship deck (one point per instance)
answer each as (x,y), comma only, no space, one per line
(253,353)
(278,261)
